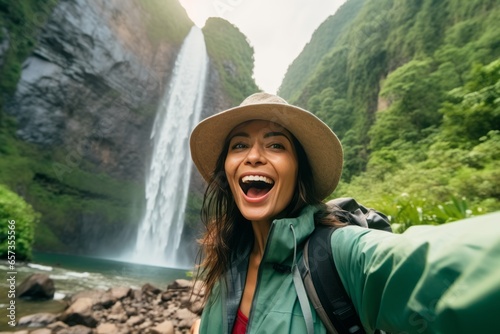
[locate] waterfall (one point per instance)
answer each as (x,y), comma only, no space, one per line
(167,183)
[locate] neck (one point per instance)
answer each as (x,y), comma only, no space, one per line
(260,231)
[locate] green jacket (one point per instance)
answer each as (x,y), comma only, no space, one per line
(430,279)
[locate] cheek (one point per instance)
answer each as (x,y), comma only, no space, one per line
(290,172)
(230,169)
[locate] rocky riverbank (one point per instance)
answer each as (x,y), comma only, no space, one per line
(122,310)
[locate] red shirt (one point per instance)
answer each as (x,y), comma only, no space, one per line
(240,325)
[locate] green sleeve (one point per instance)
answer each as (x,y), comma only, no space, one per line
(430,279)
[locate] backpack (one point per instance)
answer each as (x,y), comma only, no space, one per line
(317,268)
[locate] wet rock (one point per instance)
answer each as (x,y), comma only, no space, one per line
(135,320)
(94,295)
(180,284)
(199,289)
(36,287)
(117,308)
(186,318)
(100,298)
(122,317)
(37,320)
(80,313)
(107,300)
(78,329)
(166,327)
(119,293)
(150,290)
(137,295)
(107,329)
(57,326)
(41,331)
(166,296)
(196,307)
(150,314)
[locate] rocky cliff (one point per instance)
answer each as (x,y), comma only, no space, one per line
(91,85)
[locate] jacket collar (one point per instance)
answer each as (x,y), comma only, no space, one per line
(281,240)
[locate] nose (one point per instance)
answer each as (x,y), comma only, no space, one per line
(255,156)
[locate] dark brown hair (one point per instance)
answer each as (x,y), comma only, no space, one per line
(219,214)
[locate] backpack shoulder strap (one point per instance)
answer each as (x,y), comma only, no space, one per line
(324,287)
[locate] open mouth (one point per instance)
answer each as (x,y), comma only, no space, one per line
(255,186)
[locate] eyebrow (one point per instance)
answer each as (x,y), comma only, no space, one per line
(267,135)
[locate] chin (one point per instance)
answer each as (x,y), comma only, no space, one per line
(257,215)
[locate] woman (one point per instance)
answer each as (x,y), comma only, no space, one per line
(269,165)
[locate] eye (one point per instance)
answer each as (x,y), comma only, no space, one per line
(277,146)
(238,146)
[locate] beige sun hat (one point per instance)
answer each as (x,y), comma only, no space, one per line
(322,147)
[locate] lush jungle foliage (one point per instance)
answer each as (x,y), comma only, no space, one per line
(232,57)
(167,20)
(412,88)
(322,41)
(17,227)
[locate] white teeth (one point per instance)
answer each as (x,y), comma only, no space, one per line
(250,178)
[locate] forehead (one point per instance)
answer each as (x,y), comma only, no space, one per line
(259,126)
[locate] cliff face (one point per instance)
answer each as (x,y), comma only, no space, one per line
(91,86)
(84,107)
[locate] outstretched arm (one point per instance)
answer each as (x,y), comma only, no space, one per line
(429,279)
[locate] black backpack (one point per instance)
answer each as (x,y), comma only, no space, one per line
(317,268)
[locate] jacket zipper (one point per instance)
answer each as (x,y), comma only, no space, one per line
(259,274)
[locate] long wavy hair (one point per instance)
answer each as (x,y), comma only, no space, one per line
(220,215)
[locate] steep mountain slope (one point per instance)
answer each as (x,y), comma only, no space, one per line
(322,41)
(398,84)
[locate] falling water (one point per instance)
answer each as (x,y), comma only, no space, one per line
(159,234)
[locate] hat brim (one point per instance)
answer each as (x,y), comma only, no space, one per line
(322,147)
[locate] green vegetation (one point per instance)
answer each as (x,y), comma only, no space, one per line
(232,56)
(167,20)
(17,228)
(322,41)
(413,91)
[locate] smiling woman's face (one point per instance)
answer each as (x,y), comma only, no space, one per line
(261,168)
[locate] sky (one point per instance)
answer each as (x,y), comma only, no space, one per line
(278,30)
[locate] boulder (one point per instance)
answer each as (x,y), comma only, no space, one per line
(37,287)
(80,313)
(41,331)
(57,326)
(135,320)
(78,329)
(117,308)
(199,289)
(100,298)
(181,284)
(150,290)
(37,320)
(186,318)
(197,307)
(120,292)
(166,296)
(166,327)
(107,329)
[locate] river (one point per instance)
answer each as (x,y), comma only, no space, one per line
(73,273)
